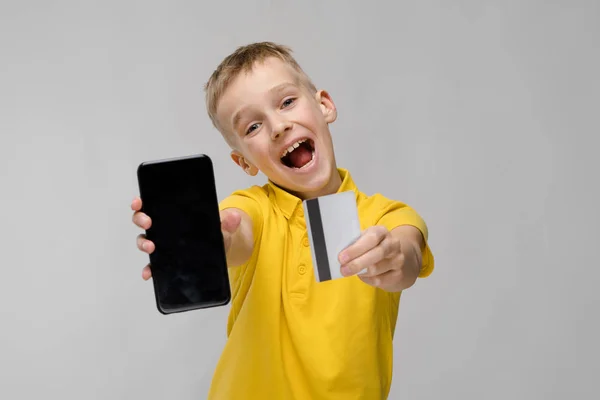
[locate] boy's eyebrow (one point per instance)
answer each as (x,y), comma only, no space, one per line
(281,87)
(237,116)
(275,89)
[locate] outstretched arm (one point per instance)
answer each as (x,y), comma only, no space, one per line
(390,260)
(236,226)
(238,236)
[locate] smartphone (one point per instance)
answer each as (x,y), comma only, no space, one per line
(332,224)
(189,267)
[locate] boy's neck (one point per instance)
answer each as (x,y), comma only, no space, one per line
(332,187)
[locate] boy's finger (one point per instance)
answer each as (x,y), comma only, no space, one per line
(380,281)
(136,204)
(367,241)
(145,245)
(142,220)
(365,263)
(226,240)
(230,221)
(381,268)
(146,273)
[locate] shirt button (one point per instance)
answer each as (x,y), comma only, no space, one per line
(302,269)
(305,242)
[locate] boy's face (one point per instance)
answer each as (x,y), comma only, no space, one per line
(280,128)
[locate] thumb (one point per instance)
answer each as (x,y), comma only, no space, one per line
(230,220)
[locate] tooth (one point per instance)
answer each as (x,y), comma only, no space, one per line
(292,147)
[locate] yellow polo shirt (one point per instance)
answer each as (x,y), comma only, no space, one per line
(290,337)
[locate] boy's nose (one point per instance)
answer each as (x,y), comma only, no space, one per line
(280,128)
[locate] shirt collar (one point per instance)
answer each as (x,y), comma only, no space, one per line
(288,203)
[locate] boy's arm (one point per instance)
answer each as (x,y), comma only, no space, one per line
(238,236)
(244,210)
(237,228)
(412,244)
(390,260)
(392,254)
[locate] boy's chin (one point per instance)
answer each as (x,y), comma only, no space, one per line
(305,185)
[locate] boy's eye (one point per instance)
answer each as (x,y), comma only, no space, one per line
(288,102)
(251,128)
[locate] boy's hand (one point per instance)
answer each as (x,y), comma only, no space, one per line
(230,221)
(390,260)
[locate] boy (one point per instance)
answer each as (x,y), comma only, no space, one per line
(290,337)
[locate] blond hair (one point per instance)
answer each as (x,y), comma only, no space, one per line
(241,60)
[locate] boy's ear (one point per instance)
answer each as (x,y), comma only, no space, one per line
(327,106)
(243,163)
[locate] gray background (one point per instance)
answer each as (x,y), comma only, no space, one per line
(482,115)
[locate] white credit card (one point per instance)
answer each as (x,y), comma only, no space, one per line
(332,224)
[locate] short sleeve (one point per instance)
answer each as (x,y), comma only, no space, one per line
(394,214)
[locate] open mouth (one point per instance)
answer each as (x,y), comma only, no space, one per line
(299,154)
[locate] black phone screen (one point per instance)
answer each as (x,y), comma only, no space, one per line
(189,267)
